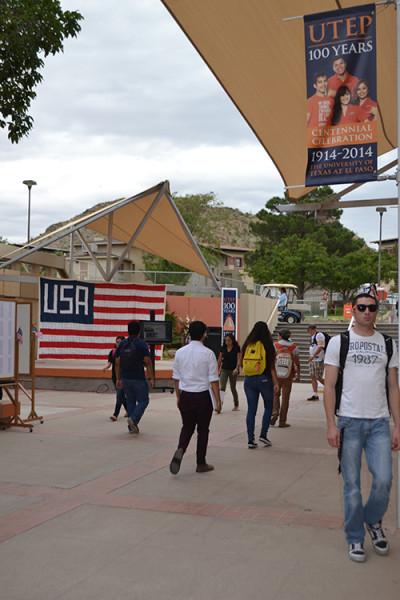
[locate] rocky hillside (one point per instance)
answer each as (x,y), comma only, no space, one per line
(229,226)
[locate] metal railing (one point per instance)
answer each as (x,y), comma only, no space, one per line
(184,281)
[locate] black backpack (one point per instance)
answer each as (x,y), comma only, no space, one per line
(344,349)
(129,355)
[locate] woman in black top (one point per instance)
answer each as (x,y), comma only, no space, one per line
(228,366)
(120,399)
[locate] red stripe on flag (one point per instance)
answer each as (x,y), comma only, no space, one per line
(131,286)
(84,332)
(129,311)
(117,298)
(86,356)
(98,345)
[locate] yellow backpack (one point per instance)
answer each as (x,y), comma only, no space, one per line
(254,360)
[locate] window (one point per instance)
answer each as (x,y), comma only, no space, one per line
(238,261)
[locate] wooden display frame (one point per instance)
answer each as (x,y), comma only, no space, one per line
(9,375)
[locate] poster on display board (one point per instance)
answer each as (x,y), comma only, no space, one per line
(229,311)
(342,104)
(24,333)
(7,339)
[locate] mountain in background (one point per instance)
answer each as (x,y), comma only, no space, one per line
(222,224)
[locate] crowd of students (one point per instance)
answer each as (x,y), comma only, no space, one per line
(361,393)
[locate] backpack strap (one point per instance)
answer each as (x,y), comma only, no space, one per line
(344,349)
(283,348)
(389,352)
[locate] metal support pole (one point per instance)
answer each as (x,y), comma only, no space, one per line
(398,220)
(29,183)
(380,210)
(28,239)
(71,255)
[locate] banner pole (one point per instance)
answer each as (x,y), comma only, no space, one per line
(398,223)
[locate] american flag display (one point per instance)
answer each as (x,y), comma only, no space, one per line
(81,319)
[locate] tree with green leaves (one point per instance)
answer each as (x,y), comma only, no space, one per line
(348,272)
(29,30)
(296,259)
(309,252)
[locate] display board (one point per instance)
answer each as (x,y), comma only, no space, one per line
(24,328)
(7,339)
(156,332)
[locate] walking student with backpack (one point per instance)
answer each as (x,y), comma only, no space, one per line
(318,344)
(287,365)
(258,362)
(361,388)
(132,359)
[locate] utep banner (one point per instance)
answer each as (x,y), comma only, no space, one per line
(229,311)
(80,320)
(341,96)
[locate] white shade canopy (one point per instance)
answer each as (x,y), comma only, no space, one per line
(259,59)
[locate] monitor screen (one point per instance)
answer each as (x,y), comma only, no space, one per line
(156,332)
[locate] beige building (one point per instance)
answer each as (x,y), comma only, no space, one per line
(87,262)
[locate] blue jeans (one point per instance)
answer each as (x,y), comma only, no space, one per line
(253,387)
(137,397)
(372,436)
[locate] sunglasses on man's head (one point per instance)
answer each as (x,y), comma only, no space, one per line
(364,307)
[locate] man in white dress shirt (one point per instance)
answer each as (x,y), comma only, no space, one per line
(195,371)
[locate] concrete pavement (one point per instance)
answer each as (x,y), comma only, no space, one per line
(88,511)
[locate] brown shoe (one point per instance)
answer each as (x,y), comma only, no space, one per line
(113,418)
(204,468)
(284,425)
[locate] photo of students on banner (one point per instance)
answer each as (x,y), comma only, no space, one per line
(341,105)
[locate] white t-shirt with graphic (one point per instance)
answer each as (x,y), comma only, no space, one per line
(364,375)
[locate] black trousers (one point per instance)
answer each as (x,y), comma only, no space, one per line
(196,410)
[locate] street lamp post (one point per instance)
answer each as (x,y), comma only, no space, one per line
(29,183)
(380,210)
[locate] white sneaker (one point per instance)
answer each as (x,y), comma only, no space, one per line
(267,443)
(378,538)
(357,552)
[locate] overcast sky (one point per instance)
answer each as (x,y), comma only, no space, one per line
(129,104)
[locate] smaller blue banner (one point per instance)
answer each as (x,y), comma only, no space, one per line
(229,311)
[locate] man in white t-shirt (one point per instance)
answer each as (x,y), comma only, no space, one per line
(316,359)
(364,423)
(195,371)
